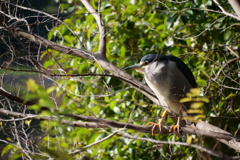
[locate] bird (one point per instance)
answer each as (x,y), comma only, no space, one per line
(170,79)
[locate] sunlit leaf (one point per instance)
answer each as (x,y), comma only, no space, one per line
(196,105)
(189,139)
(196,111)
(32,85)
(186,100)
(27,122)
(7,148)
(201,82)
(202,99)
(51,89)
(230,95)
(195,91)
(200,116)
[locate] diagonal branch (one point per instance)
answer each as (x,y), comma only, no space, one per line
(52,45)
(102,61)
(100,58)
(234,4)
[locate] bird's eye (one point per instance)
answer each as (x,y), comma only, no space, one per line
(146,63)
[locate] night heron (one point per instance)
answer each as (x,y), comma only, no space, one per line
(170,79)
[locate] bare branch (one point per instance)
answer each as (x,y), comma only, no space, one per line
(88,55)
(101,59)
(126,135)
(97,142)
(216,2)
(223,66)
(211,152)
(48,15)
(52,45)
(100,23)
(224,12)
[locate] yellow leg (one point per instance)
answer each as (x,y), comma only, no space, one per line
(161,120)
(176,127)
(159,124)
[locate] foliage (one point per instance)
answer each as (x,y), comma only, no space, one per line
(136,28)
(206,40)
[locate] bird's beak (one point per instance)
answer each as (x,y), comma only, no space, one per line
(136,67)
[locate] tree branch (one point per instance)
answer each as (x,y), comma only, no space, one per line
(102,61)
(226,13)
(109,124)
(202,129)
(126,135)
(211,152)
(100,23)
(52,45)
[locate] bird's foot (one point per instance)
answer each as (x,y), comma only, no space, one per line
(175,129)
(159,124)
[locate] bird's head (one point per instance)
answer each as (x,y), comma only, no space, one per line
(144,62)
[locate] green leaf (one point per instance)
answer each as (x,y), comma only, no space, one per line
(27,122)
(32,85)
(123,51)
(69,38)
(200,116)
(197,111)
(113,104)
(186,100)
(51,89)
(201,82)
(64,145)
(35,107)
(230,95)
(196,105)
(195,91)
(202,99)
(6,149)
(50,35)
(189,139)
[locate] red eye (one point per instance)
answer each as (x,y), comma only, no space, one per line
(146,63)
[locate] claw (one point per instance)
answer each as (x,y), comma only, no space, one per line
(159,122)
(176,128)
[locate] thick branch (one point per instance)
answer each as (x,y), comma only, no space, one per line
(102,61)
(102,123)
(202,129)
